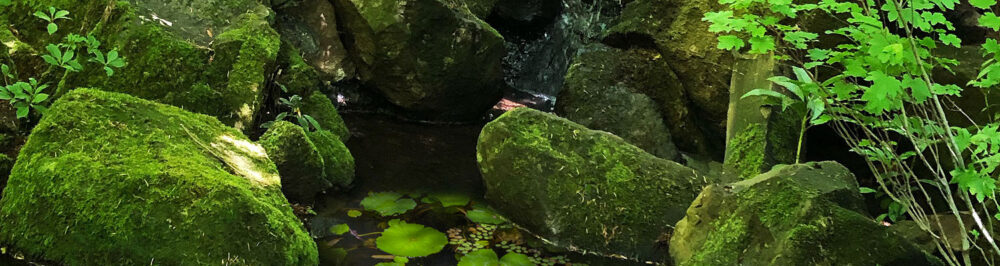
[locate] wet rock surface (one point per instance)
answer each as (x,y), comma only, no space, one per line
(809,214)
(582,189)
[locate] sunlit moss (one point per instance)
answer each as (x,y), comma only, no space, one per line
(131,181)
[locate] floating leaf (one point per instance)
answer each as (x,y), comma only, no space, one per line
(387,203)
(484,215)
(353,213)
(487,257)
(410,240)
(450,199)
(340,229)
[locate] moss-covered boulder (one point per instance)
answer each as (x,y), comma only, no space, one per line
(321,108)
(298,160)
(309,162)
(582,189)
(435,58)
(338,163)
(650,106)
(481,8)
(676,29)
(206,56)
(809,214)
(132,182)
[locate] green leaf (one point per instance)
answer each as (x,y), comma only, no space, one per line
(866,190)
(410,240)
(52,28)
(883,95)
(487,257)
(990,20)
(484,215)
(387,203)
(42,15)
(761,44)
(951,39)
(978,185)
(730,42)
(340,229)
(450,199)
(353,213)
(22,112)
(40,98)
(983,4)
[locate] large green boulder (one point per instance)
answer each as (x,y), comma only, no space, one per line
(206,56)
(298,160)
(435,58)
(580,188)
(676,29)
(309,162)
(808,214)
(650,106)
(110,179)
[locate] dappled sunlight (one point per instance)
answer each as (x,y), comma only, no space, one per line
(245,158)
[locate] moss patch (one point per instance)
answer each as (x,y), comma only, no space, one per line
(582,188)
(299,161)
(134,181)
(320,107)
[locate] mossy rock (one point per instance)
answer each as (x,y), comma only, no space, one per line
(481,8)
(633,94)
(809,214)
(320,107)
(435,58)
(580,188)
(676,29)
(131,181)
(213,61)
(6,164)
(338,163)
(298,77)
(299,161)
(312,27)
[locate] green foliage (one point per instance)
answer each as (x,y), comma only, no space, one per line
(388,203)
(410,240)
(51,17)
(25,96)
(340,229)
(878,92)
(448,199)
(484,215)
(488,257)
(295,104)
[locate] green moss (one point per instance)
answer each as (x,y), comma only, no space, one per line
(133,181)
(297,76)
(747,150)
(299,161)
(223,80)
(581,188)
(337,160)
(795,215)
(320,107)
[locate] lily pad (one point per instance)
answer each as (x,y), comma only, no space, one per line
(340,229)
(387,203)
(487,257)
(450,199)
(410,240)
(353,213)
(484,215)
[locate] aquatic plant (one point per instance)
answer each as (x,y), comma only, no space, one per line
(388,203)
(488,257)
(410,240)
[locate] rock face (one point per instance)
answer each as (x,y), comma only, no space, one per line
(675,28)
(435,58)
(212,61)
(133,181)
(528,11)
(579,188)
(304,158)
(644,94)
(810,214)
(312,27)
